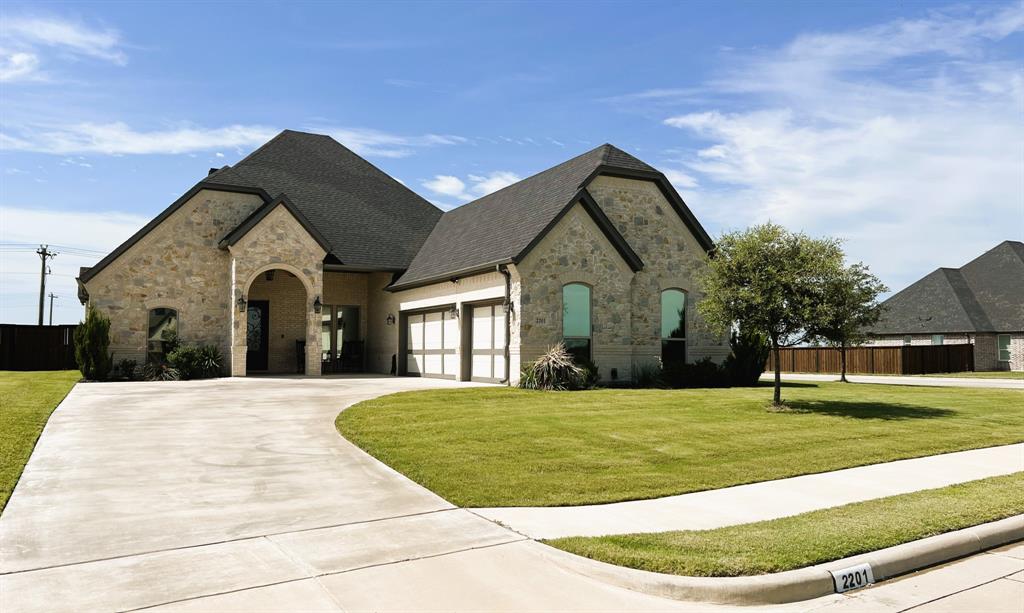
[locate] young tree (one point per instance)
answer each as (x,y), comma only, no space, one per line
(849,306)
(92,341)
(769,280)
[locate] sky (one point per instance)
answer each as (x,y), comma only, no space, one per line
(898,127)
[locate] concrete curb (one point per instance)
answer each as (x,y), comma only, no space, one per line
(803,583)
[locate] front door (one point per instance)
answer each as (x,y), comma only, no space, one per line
(257,335)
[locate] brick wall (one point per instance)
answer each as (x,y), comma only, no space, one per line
(287,302)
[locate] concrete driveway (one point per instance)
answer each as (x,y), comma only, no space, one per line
(240,494)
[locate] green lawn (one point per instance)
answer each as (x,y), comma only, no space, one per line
(809,538)
(511,447)
(26,401)
(996,374)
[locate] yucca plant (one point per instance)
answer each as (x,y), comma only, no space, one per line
(554,370)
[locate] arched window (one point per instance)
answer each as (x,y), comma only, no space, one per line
(576,320)
(673,326)
(163,332)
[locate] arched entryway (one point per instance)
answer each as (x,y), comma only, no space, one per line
(276,323)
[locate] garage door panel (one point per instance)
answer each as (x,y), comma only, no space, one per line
(415,364)
(432,346)
(488,362)
(451,364)
(451,332)
(499,327)
(482,324)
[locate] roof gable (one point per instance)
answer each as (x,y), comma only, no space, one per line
(259,214)
(503,226)
(367,217)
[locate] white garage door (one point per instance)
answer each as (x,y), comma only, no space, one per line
(432,346)
(488,346)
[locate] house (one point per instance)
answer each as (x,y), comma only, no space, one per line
(304,257)
(980,303)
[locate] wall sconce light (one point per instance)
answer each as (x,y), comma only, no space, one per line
(241,304)
(453,313)
(317,305)
(508,307)
(391,319)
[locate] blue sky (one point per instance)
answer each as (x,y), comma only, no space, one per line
(896,126)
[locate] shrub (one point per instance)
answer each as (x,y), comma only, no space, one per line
(590,373)
(159,372)
(195,361)
(555,370)
(745,364)
(647,375)
(702,373)
(92,344)
(126,368)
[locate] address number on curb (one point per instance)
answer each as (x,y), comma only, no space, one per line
(852,578)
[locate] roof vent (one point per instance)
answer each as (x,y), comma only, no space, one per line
(212,170)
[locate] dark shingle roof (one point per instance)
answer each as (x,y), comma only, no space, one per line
(985,295)
(370,219)
(500,227)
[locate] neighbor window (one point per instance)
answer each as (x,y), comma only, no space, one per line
(163,332)
(576,320)
(937,339)
(1003,344)
(673,326)
(907,340)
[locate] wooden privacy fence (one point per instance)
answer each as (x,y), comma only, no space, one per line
(37,347)
(900,360)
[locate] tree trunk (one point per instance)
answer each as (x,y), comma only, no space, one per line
(842,362)
(777,395)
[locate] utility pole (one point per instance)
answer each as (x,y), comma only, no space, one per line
(44,254)
(51,307)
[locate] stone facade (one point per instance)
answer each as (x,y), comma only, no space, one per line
(277,242)
(177,265)
(576,251)
(671,255)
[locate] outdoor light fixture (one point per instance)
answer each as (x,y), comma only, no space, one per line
(241,304)
(391,319)
(453,313)
(317,305)
(507,307)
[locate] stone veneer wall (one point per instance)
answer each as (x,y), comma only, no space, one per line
(671,256)
(576,251)
(178,265)
(277,242)
(287,314)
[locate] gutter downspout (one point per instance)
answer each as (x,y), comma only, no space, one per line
(503,269)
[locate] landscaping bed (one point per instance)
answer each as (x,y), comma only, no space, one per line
(809,538)
(26,401)
(485,447)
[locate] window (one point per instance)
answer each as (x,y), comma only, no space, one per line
(163,331)
(576,320)
(907,339)
(937,339)
(1003,345)
(673,326)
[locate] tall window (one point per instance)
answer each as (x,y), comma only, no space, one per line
(937,339)
(163,330)
(576,320)
(1003,344)
(673,326)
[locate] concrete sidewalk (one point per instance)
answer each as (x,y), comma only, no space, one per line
(760,501)
(1010,384)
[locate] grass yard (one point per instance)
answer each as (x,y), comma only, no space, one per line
(482,447)
(26,401)
(809,538)
(994,374)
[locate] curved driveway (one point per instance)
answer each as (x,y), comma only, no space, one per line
(238,494)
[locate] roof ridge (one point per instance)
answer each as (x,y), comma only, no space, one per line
(965,297)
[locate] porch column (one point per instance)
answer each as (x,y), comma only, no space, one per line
(313,319)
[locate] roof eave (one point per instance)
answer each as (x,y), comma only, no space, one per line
(450,276)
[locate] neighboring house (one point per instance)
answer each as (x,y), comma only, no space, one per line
(981,303)
(303,253)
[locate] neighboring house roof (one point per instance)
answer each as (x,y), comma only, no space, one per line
(369,219)
(984,295)
(502,227)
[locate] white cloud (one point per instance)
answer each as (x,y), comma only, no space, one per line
(22,229)
(904,138)
(120,139)
(26,38)
(479,185)
(375,143)
(16,65)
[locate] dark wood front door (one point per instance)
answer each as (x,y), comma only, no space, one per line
(257,335)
